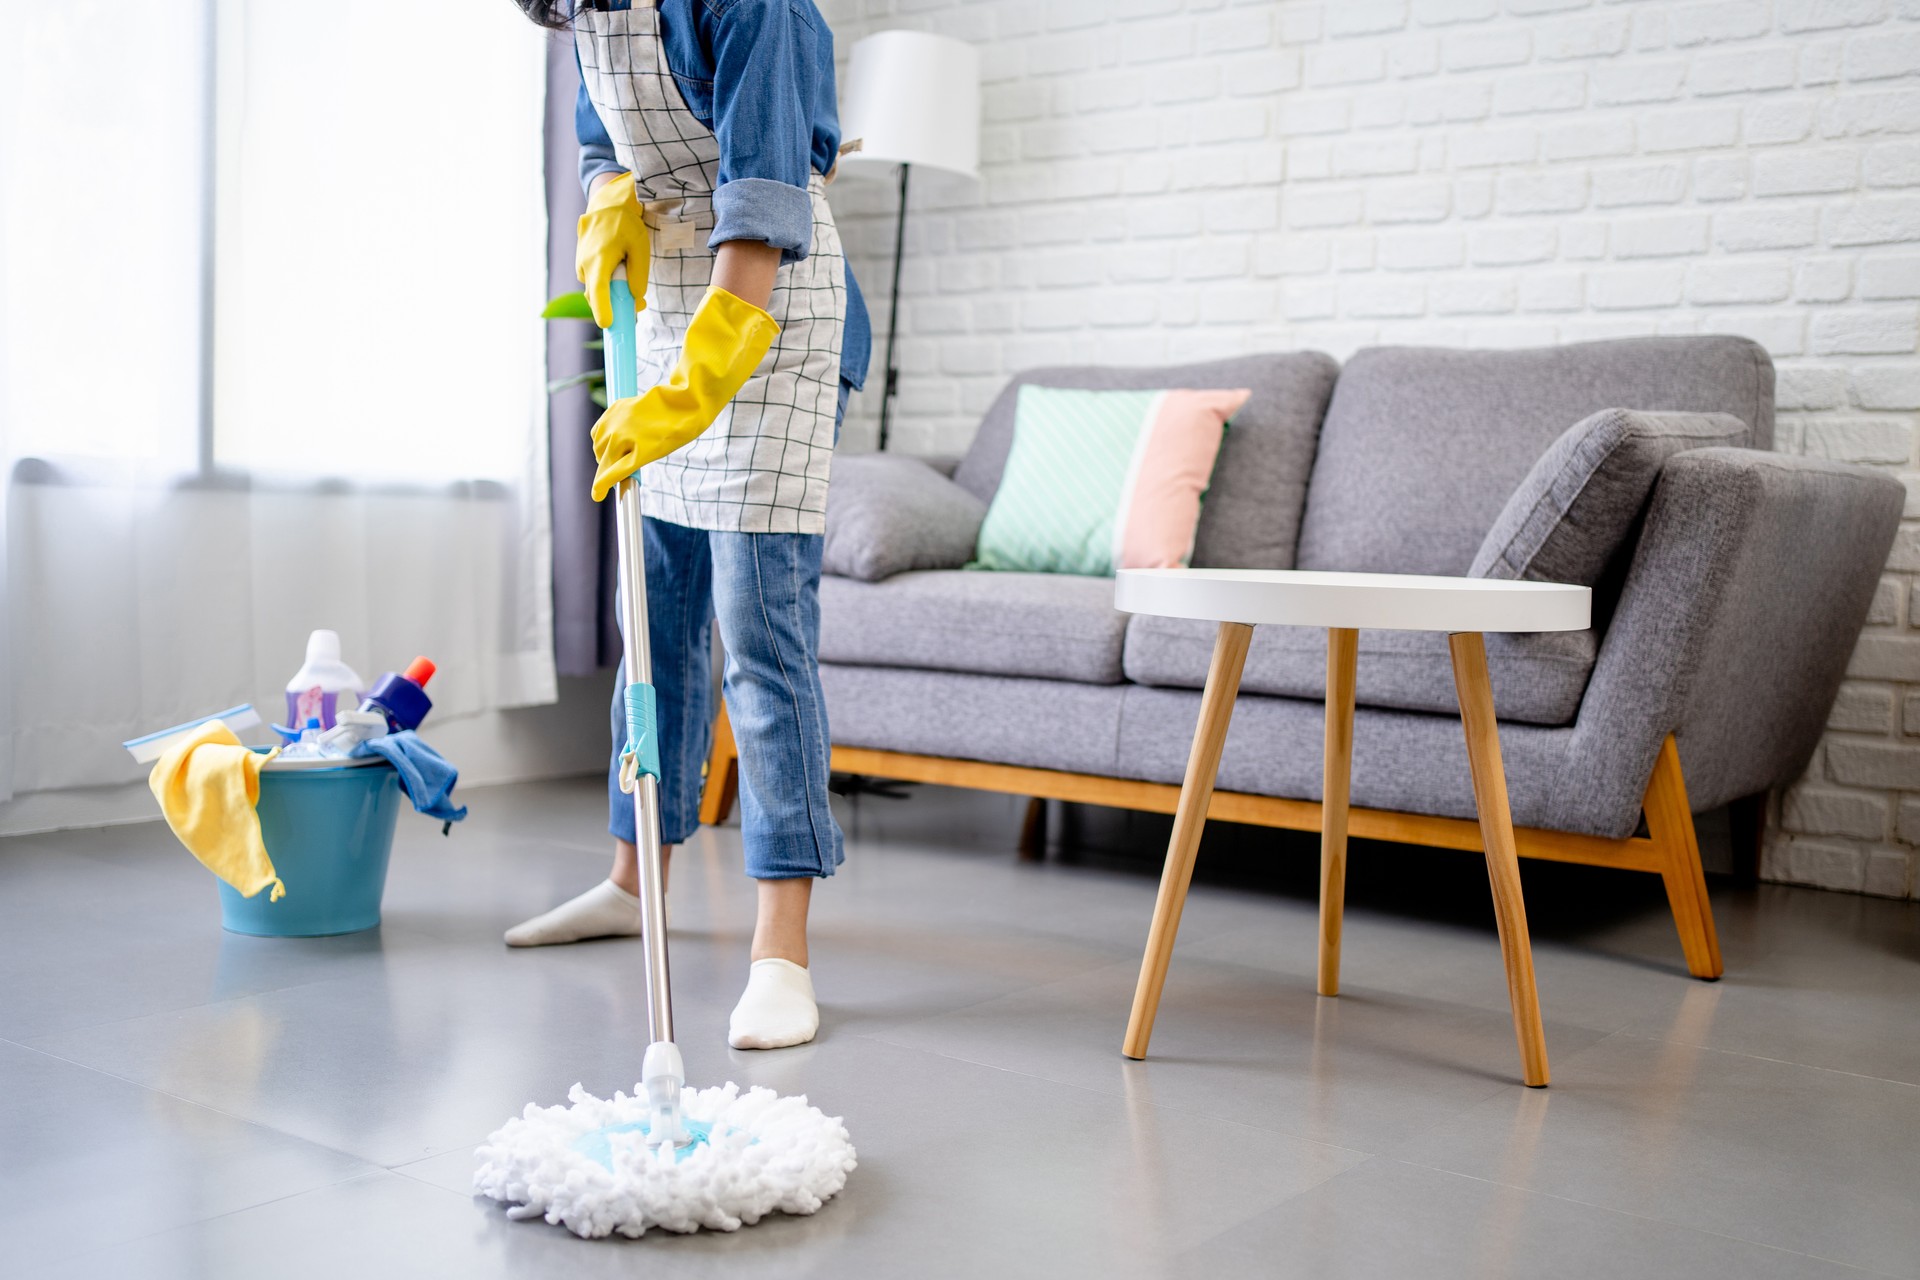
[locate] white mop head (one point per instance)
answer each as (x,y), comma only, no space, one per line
(588,1166)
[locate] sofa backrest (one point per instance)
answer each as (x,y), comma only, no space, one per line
(1422,446)
(1251,518)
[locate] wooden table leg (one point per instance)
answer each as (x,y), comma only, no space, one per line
(1503,861)
(1196,794)
(1336,774)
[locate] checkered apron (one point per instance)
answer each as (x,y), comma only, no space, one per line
(762,467)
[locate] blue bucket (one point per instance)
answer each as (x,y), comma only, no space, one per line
(329,833)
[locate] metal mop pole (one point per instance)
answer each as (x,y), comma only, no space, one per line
(646,791)
(663,1073)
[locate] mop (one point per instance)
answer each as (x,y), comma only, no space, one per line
(666,1156)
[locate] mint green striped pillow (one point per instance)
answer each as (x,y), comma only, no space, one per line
(1060,493)
(1099,480)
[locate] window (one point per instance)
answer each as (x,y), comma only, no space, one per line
(101,200)
(297,243)
(379,188)
(287,240)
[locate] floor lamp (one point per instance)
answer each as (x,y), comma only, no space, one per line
(912,99)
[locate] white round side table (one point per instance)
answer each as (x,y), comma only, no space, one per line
(1342,603)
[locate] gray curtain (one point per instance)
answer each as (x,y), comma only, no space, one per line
(586,638)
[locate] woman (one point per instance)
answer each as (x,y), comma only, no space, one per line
(707,129)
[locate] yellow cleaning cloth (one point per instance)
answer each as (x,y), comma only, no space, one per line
(207,786)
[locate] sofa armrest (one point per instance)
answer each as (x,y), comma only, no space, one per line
(890,512)
(945,463)
(1745,594)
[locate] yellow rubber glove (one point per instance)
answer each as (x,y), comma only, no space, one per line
(613,231)
(726,340)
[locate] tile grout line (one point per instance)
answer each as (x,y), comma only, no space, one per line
(195,1103)
(1365,1157)
(402,930)
(222,1002)
(1494,1088)
(1761,1057)
(1641,1217)
(1637,1217)
(229,1213)
(400,1171)
(1604,1033)
(1164,1107)
(372,1168)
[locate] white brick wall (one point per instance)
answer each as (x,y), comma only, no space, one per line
(1171,181)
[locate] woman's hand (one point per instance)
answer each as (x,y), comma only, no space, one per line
(726,340)
(613,233)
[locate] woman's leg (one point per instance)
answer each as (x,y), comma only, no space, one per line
(780,923)
(766,592)
(680,627)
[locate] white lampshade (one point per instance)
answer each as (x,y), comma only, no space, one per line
(913,98)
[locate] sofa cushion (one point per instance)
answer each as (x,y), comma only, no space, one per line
(1018,624)
(1422,447)
(1575,509)
(1043,724)
(1537,678)
(1104,480)
(1251,518)
(1401,760)
(889,512)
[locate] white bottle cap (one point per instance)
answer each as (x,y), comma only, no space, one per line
(323,646)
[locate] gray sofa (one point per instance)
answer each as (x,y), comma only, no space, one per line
(1725,619)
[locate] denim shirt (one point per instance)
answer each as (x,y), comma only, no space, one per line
(743,67)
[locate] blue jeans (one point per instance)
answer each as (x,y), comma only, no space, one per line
(764,589)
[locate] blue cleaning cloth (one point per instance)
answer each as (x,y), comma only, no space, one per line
(425,775)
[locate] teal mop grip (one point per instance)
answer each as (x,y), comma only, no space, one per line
(643,738)
(622,351)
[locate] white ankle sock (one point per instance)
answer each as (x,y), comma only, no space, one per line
(604,911)
(776,1009)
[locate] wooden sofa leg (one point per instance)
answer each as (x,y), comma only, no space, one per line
(1747,818)
(1033,831)
(1670,823)
(723,774)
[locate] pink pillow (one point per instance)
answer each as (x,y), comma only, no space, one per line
(1172,465)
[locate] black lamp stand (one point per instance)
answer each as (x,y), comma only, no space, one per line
(893,313)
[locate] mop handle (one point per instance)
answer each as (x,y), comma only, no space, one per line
(621,348)
(622,352)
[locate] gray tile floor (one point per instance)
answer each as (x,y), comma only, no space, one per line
(175,1101)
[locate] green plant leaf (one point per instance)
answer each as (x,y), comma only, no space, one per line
(599,395)
(594,344)
(568,306)
(591,378)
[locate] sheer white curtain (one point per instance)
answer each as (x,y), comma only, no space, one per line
(269,360)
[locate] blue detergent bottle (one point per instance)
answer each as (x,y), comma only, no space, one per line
(401,696)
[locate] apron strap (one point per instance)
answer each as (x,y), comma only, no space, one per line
(851,144)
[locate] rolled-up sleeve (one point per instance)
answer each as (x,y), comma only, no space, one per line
(765,65)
